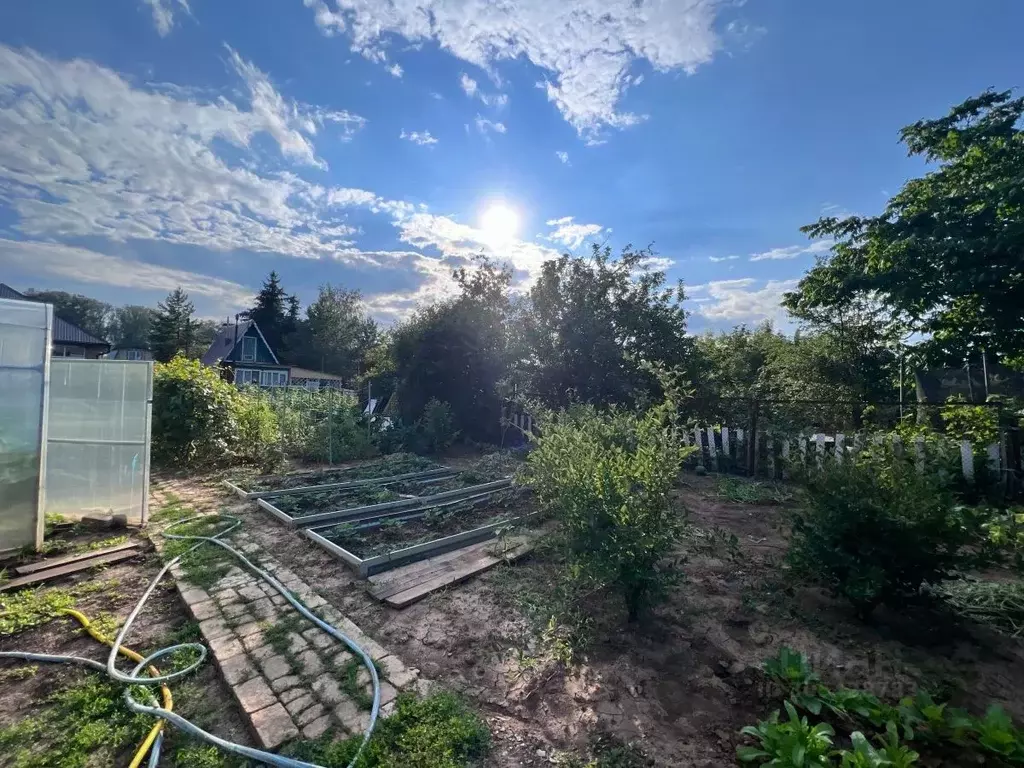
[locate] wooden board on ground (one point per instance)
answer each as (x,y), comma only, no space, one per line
(43,565)
(404,586)
(64,570)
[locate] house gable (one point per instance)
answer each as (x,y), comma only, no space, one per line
(251,348)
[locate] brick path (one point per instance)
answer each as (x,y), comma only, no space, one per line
(288,676)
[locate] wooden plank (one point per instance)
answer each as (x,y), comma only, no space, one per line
(421,570)
(467,571)
(23,570)
(65,570)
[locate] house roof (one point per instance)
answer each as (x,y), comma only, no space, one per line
(63,331)
(225,341)
(306,373)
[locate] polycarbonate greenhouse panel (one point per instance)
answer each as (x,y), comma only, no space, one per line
(98,439)
(25,332)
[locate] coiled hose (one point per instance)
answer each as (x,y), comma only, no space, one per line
(154,678)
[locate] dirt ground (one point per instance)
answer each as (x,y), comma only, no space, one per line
(202,698)
(681,684)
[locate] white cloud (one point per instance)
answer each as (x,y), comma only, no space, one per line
(423,138)
(737,301)
(586,48)
(87,266)
(793,251)
(718,259)
(569,234)
(163,13)
(563,156)
(496,100)
(657,263)
(86,153)
(395,70)
(469,85)
(484,125)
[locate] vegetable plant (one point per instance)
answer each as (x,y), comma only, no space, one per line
(793,743)
(890,753)
(997,734)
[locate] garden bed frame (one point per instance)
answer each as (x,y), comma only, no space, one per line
(426,473)
(373,511)
(371,565)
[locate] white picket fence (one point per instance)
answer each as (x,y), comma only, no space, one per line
(726,448)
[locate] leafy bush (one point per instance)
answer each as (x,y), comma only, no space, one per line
(195,415)
(875,532)
(436,427)
(606,478)
(977,423)
(259,432)
(340,435)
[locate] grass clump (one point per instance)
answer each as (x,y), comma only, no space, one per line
(207,564)
(741,491)
(438,731)
(84,724)
(29,608)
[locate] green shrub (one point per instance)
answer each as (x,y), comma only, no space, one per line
(340,434)
(875,530)
(195,415)
(436,428)
(259,432)
(606,477)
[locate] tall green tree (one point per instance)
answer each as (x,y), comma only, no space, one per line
(91,315)
(337,333)
(269,311)
(945,257)
(456,351)
(172,331)
(594,321)
(130,326)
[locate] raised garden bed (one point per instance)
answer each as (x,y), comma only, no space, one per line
(406,536)
(368,502)
(390,469)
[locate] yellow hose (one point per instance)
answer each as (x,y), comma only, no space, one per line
(144,748)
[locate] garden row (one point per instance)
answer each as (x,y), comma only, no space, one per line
(379,515)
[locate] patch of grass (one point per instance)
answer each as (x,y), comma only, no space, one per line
(998,604)
(173,509)
(195,756)
(742,491)
(113,541)
(608,752)
(348,676)
(207,564)
(434,732)
(29,608)
(84,724)
(18,673)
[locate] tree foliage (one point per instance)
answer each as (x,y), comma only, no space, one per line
(945,256)
(269,311)
(337,333)
(171,330)
(130,326)
(91,315)
(594,321)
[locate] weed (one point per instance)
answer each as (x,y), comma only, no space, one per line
(741,491)
(434,732)
(18,673)
(29,608)
(205,565)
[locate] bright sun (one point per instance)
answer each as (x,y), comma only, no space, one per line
(499,223)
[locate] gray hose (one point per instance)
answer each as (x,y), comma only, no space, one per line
(135,678)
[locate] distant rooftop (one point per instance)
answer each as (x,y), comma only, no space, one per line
(63,331)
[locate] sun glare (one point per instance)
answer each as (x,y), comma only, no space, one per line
(499,223)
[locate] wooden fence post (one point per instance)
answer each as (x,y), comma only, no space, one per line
(712,453)
(967,460)
(752,440)
(840,447)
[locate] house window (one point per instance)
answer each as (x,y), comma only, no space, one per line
(248,348)
(133,354)
(273,378)
(245,376)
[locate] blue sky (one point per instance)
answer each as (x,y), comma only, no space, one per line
(377,144)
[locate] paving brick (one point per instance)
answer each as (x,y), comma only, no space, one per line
(249,628)
(310,663)
(236,611)
(278,600)
(309,715)
(225,647)
(224,596)
(194,595)
(205,610)
(264,608)
(317,728)
(254,695)
(292,694)
(357,636)
(251,593)
(341,658)
(396,672)
(354,719)
(275,666)
(285,683)
(273,726)
(300,704)
(329,691)
(237,669)
(296,643)
(214,628)
(318,638)
(254,641)
(262,652)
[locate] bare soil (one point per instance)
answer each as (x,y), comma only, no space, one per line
(680,684)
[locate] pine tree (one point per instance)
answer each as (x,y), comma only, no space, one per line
(269,311)
(171,331)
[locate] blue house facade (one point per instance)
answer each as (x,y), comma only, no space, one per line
(242,351)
